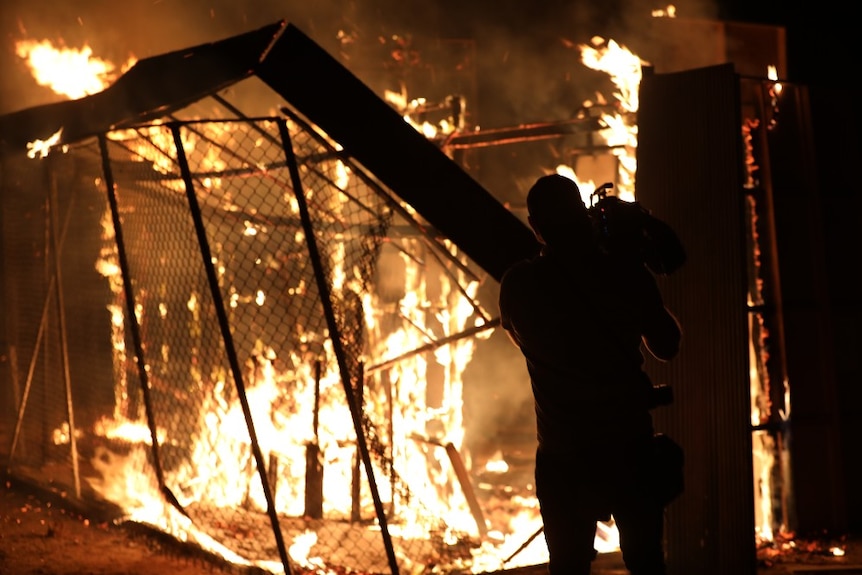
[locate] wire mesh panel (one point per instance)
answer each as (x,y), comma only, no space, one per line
(253,321)
(56,319)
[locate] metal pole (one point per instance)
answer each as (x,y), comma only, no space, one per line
(313,457)
(356,477)
(132,317)
(230,349)
(325,297)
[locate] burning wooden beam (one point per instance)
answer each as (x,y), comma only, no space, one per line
(463,479)
(520,134)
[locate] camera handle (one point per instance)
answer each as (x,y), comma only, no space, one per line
(601,193)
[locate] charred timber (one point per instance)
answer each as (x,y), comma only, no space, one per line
(469,332)
(520,134)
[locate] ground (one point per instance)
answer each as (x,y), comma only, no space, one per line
(44,535)
(39,536)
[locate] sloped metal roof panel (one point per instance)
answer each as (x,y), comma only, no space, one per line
(152,88)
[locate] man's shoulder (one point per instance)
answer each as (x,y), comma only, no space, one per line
(519,270)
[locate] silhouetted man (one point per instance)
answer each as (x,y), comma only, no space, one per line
(580,316)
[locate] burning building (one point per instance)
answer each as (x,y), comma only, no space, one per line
(247,340)
(259,340)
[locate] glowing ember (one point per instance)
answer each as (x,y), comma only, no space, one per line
(668,12)
(497,464)
(772,74)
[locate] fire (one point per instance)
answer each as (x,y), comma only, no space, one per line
(41,148)
(315,413)
(625,70)
(413,110)
(667,12)
(72,72)
(621,64)
(496,463)
(285,432)
(586,187)
(772,74)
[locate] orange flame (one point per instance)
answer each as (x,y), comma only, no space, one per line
(72,72)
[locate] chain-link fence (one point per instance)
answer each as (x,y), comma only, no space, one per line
(233,333)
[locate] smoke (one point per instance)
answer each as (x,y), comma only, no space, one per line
(117,30)
(526,63)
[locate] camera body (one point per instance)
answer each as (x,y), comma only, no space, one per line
(629,231)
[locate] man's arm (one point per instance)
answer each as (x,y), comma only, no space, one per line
(663,334)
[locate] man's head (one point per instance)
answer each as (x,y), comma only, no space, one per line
(556,211)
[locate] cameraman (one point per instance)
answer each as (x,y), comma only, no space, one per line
(579,316)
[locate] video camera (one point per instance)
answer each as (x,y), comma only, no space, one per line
(628,230)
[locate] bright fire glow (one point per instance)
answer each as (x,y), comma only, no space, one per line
(285,432)
(772,74)
(586,187)
(72,72)
(128,480)
(668,12)
(412,110)
(496,463)
(41,148)
(620,133)
(621,64)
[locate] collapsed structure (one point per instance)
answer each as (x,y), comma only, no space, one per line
(248,248)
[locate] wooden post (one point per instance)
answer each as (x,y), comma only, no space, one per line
(313,461)
(356,486)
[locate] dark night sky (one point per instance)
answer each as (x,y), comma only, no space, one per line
(822,38)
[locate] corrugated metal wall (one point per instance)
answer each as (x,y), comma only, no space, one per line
(690,167)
